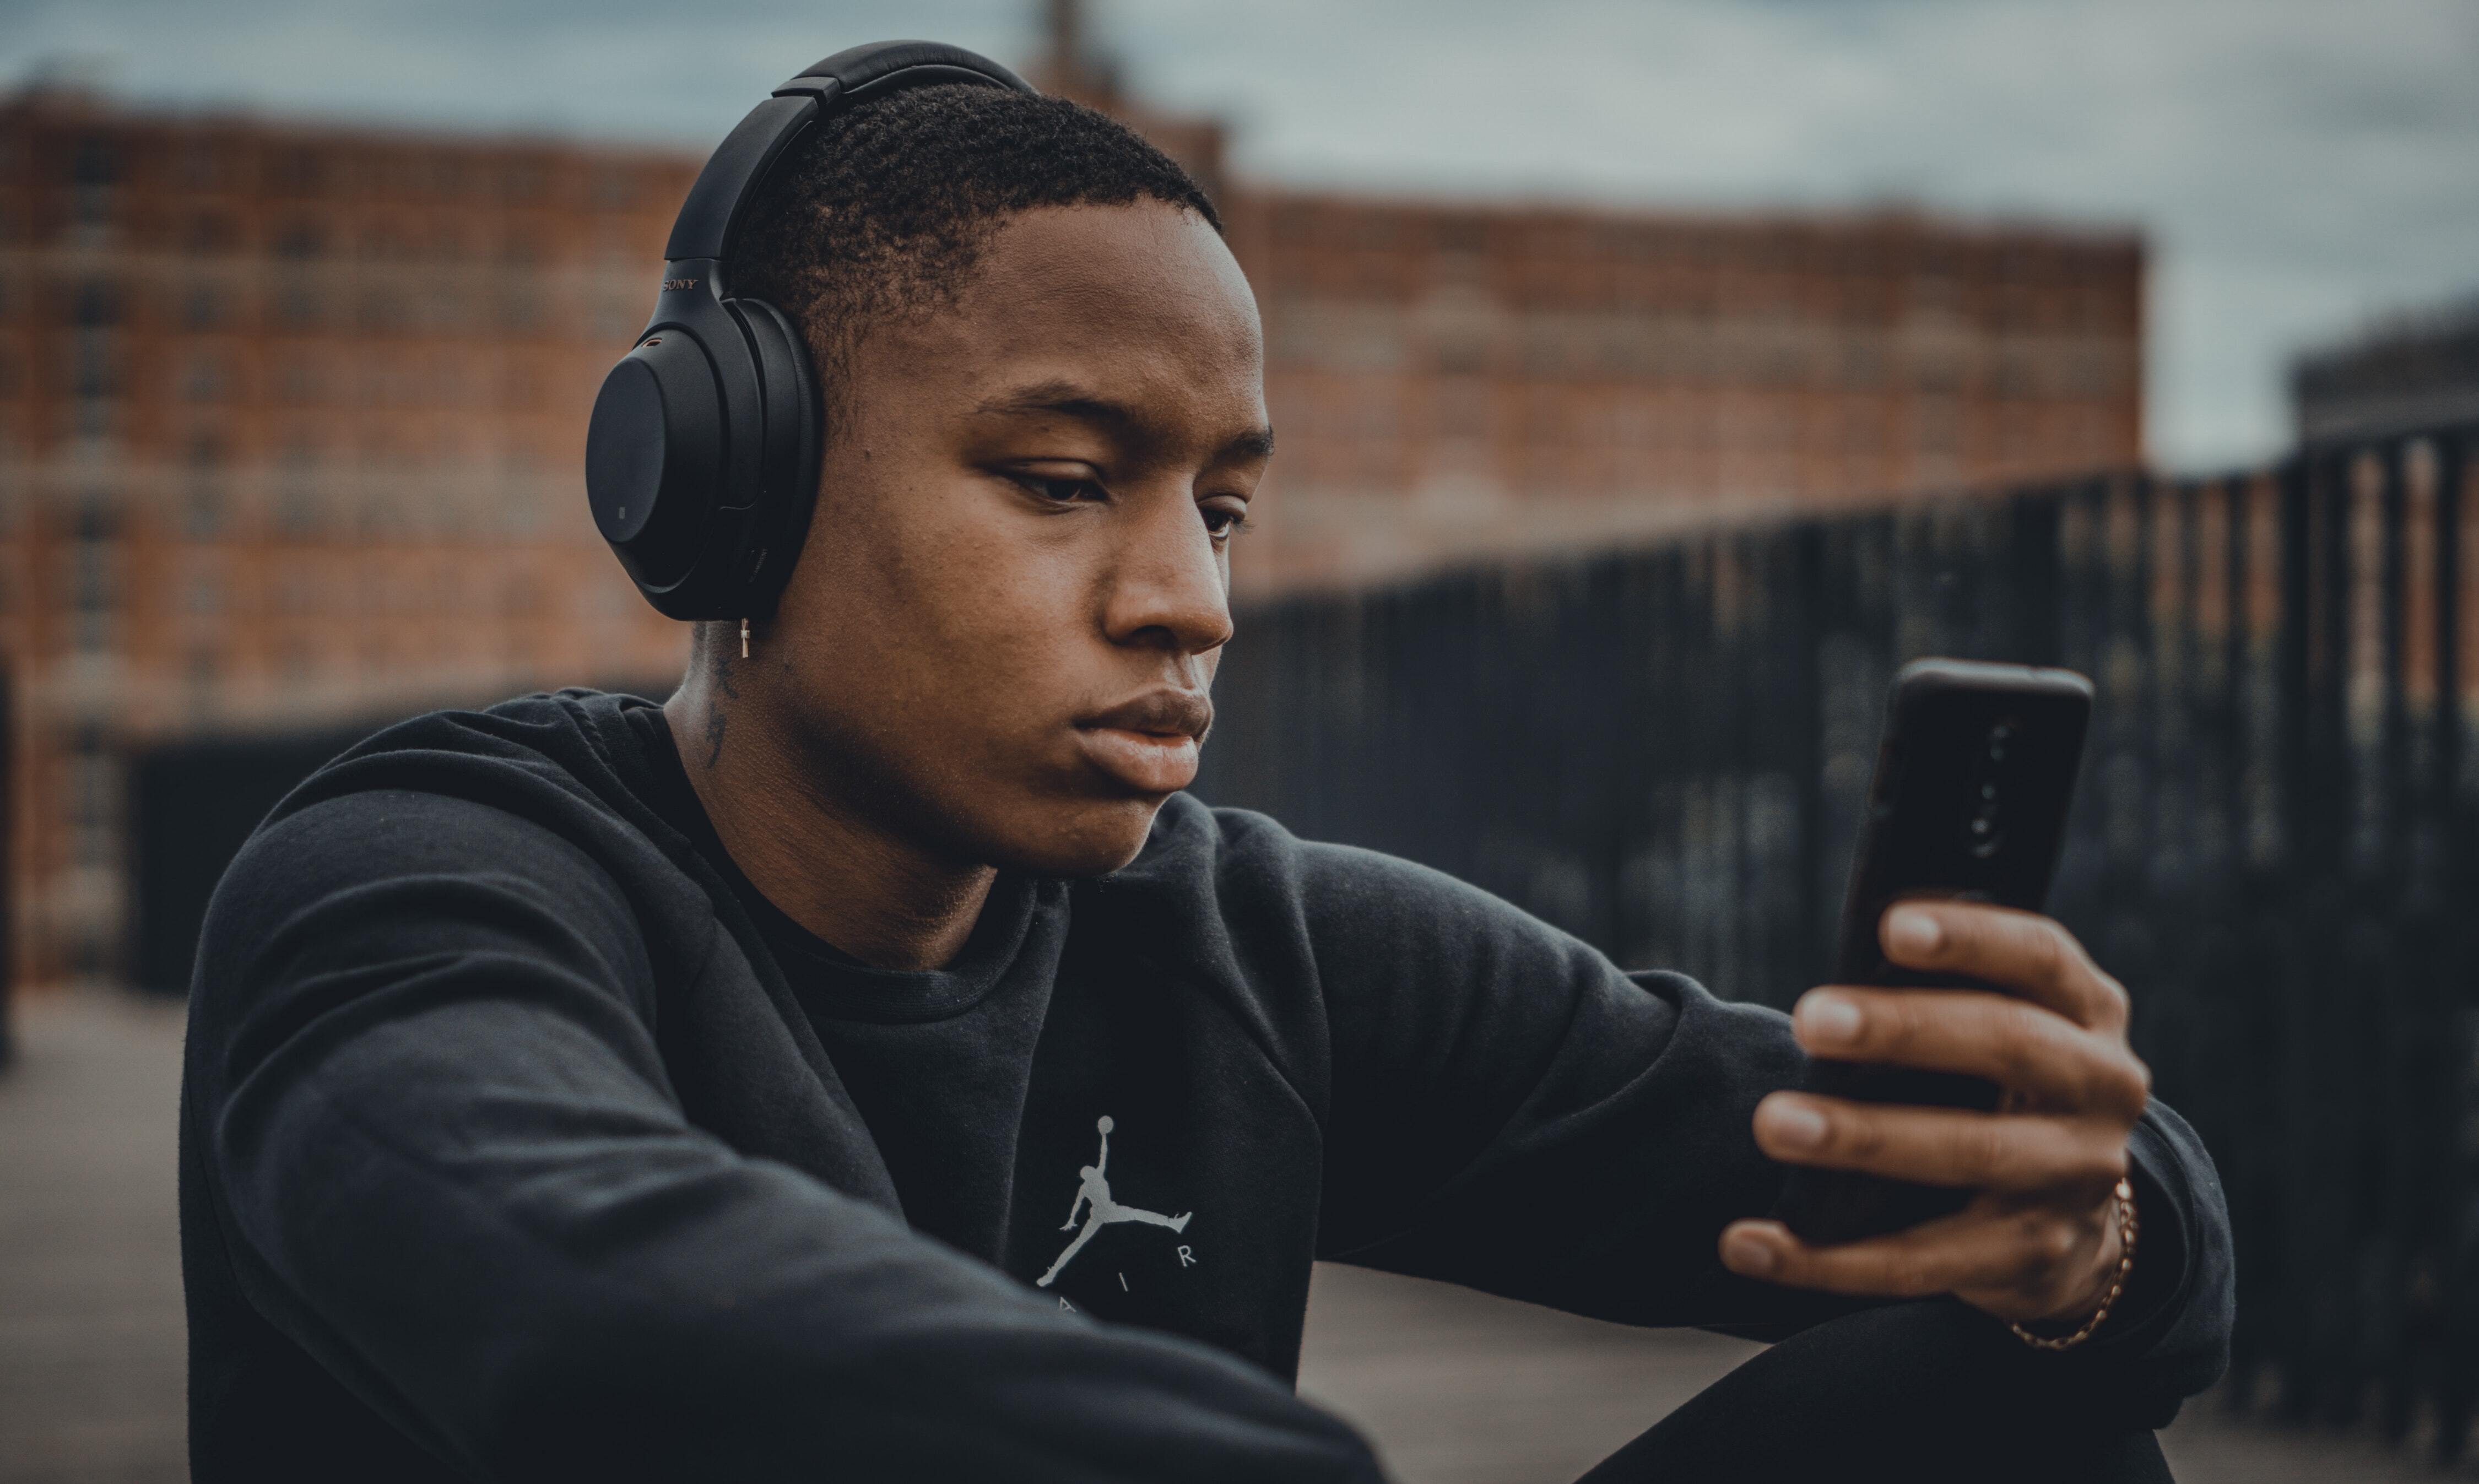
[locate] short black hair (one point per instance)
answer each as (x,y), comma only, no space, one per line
(881,212)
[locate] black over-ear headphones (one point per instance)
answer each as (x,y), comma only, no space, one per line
(702,459)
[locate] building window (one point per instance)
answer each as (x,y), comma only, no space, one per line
(12,481)
(207,379)
(202,307)
(297,173)
(385,475)
(98,515)
(94,169)
(524,181)
(202,511)
(93,418)
(94,582)
(202,597)
(205,677)
(201,166)
(96,304)
(95,371)
(521,491)
(297,492)
(96,161)
(383,312)
(300,242)
(211,235)
(296,308)
(296,381)
(93,799)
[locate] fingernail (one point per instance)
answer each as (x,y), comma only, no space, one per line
(1828,1017)
(1748,1253)
(1913,932)
(1795,1124)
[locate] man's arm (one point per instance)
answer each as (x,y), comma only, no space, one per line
(1512,1113)
(447,1164)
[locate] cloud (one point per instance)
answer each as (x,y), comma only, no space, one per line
(2300,166)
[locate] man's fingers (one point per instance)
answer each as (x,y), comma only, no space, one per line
(2027,1254)
(1942,1145)
(2022,952)
(2012,1042)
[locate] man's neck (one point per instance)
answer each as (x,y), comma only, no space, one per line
(881,899)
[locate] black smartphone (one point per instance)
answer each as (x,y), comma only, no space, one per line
(1974,775)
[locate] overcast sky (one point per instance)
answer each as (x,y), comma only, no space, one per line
(2301,166)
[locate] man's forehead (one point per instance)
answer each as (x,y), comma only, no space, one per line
(1111,272)
(1127,318)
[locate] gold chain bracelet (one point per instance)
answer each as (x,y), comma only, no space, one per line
(2127,1226)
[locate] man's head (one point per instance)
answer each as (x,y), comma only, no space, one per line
(880,212)
(1042,374)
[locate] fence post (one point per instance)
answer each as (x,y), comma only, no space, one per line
(7,870)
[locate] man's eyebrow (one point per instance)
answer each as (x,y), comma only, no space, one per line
(1067,399)
(1258,443)
(1063,399)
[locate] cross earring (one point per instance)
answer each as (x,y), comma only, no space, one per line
(744,638)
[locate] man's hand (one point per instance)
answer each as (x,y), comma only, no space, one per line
(2039,1240)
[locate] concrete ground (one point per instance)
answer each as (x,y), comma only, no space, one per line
(1456,1388)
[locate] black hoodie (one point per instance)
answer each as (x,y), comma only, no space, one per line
(522,1139)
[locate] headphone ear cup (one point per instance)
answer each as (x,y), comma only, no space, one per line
(654,459)
(795,435)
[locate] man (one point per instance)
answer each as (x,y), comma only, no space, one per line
(587,1088)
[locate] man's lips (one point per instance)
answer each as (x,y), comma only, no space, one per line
(1149,743)
(1164,713)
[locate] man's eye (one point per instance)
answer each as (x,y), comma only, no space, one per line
(1061,489)
(1223,520)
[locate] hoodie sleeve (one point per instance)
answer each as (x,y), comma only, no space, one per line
(1513,1113)
(445,1161)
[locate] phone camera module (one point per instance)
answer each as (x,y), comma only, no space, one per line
(1983,833)
(1985,838)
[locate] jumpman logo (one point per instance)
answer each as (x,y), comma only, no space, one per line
(1093,1201)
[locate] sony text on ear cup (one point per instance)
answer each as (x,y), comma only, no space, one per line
(701,455)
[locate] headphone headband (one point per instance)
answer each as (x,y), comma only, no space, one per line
(710,218)
(701,458)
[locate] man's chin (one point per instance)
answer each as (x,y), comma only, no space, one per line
(1098,838)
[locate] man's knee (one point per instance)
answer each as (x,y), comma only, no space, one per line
(1929,1390)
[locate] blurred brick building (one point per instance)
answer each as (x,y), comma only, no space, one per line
(2417,371)
(1458,381)
(290,419)
(291,414)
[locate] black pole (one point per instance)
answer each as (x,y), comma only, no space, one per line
(8,873)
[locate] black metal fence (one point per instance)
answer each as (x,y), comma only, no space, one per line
(2276,844)
(194,803)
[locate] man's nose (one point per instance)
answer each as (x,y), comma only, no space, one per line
(1166,586)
